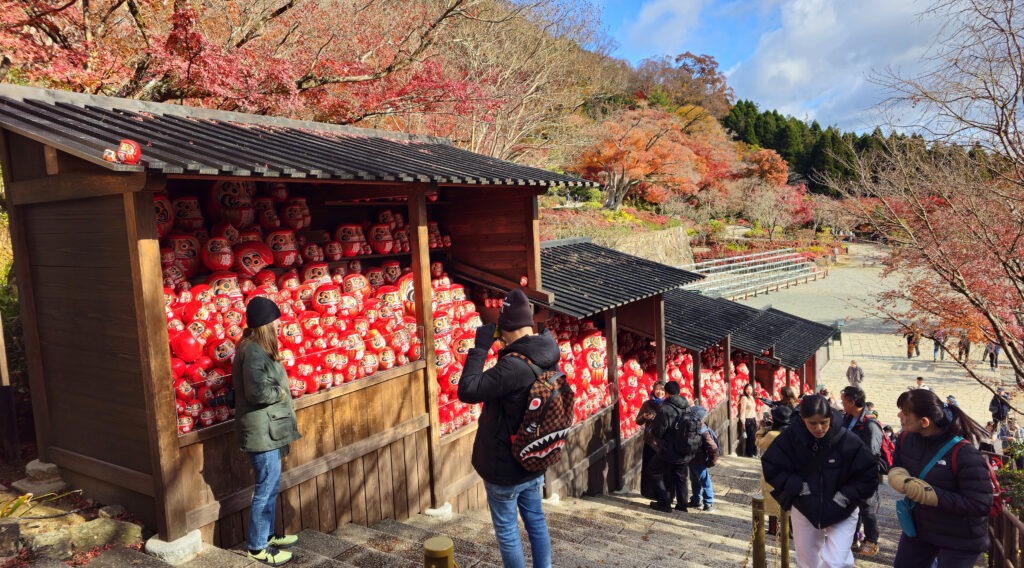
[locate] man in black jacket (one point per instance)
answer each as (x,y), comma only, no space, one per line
(503,389)
(867,428)
(666,463)
(999,407)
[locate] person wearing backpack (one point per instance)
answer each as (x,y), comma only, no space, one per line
(680,437)
(857,420)
(820,472)
(947,505)
(999,406)
(707,457)
(504,390)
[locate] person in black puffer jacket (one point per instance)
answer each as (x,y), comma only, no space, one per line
(820,472)
(512,491)
(668,470)
(951,503)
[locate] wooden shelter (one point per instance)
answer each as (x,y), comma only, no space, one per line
(91,292)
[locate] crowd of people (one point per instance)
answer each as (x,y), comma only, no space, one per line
(823,460)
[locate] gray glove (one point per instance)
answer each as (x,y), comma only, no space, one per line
(841,500)
(805,490)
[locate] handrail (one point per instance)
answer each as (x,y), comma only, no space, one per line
(748,264)
(733,277)
(726,260)
(751,282)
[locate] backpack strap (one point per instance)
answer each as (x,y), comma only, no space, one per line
(955,440)
(537,371)
(956,451)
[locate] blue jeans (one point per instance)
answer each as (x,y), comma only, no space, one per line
(700,484)
(506,503)
(266,469)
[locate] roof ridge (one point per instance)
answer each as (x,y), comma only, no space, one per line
(23,93)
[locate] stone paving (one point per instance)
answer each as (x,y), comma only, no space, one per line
(877,345)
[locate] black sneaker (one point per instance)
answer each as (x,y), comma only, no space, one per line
(271,556)
(708,507)
(693,503)
(659,507)
(683,509)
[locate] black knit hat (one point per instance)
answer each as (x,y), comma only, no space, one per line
(515,312)
(260,311)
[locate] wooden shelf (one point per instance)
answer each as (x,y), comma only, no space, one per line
(228,426)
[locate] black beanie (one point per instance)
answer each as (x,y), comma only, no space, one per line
(260,311)
(515,312)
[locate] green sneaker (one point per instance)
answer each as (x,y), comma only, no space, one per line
(283,541)
(271,556)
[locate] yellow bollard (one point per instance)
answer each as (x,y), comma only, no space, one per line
(784,538)
(757,512)
(439,552)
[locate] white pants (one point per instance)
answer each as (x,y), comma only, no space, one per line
(823,548)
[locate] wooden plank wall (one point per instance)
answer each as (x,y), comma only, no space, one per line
(88,329)
(362,458)
(632,452)
(484,236)
(588,460)
(462,487)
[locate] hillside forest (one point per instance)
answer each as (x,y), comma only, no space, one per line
(526,80)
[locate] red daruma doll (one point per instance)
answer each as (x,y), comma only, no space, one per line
(266,424)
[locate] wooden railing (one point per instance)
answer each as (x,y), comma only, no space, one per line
(1006,532)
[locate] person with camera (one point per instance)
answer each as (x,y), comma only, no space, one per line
(820,472)
(858,420)
(946,483)
(503,389)
(266,424)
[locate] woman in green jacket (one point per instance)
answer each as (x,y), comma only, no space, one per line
(266,424)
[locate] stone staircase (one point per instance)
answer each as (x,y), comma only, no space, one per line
(603,530)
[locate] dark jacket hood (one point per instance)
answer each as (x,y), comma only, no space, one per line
(540,348)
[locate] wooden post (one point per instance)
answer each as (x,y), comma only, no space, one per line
(757,538)
(695,368)
(783,533)
(729,415)
(611,325)
(659,337)
(802,373)
(424,318)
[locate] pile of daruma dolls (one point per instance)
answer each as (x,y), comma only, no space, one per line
(343,318)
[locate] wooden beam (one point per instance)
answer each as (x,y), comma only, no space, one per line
(50,158)
(554,484)
(659,336)
(170,491)
(611,333)
(533,271)
(419,243)
(110,473)
(485,277)
(64,187)
(26,300)
(458,486)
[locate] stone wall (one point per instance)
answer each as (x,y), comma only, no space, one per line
(670,246)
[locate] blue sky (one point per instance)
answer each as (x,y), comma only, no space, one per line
(813,59)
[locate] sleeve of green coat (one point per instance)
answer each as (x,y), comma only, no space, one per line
(260,388)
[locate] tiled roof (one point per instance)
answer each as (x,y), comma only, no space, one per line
(202,142)
(802,341)
(588,279)
(697,322)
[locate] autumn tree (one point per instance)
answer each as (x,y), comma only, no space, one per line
(338,60)
(953,205)
(686,79)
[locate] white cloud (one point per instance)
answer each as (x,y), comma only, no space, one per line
(816,64)
(662,26)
